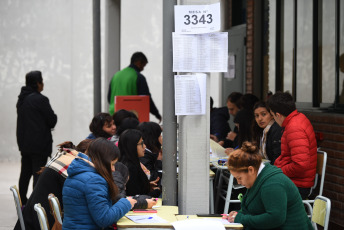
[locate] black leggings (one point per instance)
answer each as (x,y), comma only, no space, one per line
(304,192)
(30,165)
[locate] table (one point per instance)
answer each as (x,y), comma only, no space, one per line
(166,212)
(227,226)
(169,213)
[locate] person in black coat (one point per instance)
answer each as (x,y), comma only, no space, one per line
(266,133)
(219,126)
(35,121)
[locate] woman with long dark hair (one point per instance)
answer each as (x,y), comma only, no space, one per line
(151,134)
(266,132)
(51,180)
(132,147)
(89,189)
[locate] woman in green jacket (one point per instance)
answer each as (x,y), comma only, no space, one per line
(272,200)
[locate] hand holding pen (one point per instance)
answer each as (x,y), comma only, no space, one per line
(230,217)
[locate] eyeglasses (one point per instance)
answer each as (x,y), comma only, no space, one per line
(141,143)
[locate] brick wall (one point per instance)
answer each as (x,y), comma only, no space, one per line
(249,46)
(332,127)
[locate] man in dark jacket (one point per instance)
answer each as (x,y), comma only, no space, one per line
(34,123)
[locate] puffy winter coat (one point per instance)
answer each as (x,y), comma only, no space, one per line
(86,199)
(298,158)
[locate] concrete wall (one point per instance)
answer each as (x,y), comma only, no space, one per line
(54,36)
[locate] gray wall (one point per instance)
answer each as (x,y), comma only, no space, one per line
(54,36)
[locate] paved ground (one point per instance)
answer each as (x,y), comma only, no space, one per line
(9,175)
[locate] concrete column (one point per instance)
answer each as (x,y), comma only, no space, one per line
(169,163)
(112,41)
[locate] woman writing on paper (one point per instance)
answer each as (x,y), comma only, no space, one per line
(89,189)
(272,200)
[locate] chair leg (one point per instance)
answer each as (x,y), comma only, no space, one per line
(229,193)
(218,189)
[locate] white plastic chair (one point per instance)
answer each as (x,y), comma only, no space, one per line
(225,193)
(320,171)
(321,212)
(55,207)
(18,203)
(42,217)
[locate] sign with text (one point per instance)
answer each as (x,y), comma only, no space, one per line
(190,94)
(200,52)
(197,19)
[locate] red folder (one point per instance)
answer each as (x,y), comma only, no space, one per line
(136,104)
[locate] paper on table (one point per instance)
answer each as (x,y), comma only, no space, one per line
(224,221)
(199,224)
(217,150)
(146,219)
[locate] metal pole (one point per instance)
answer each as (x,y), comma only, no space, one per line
(169,163)
(96,58)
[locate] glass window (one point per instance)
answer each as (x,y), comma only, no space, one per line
(288,45)
(272,46)
(328,62)
(304,72)
(341,54)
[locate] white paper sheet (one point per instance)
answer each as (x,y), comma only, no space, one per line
(197,19)
(190,94)
(217,150)
(200,53)
(146,219)
(198,224)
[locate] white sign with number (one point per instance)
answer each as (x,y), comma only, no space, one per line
(197,19)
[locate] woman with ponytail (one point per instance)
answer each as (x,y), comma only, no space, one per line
(272,200)
(89,189)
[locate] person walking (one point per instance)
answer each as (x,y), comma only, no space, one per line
(35,121)
(130,81)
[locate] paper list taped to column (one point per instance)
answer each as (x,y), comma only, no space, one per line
(200,52)
(190,94)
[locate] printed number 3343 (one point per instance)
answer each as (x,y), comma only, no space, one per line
(193,19)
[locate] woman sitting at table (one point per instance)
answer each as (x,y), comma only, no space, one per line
(121,177)
(272,200)
(151,134)
(132,147)
(266,132)
(102,125)
(89,189)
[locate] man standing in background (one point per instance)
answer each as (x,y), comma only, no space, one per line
(34,123)
(130,81)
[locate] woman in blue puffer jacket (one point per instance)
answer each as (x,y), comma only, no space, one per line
(89,189)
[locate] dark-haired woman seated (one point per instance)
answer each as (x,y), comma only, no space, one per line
(132,147)
(89,189)
(102,125)
(266,132)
